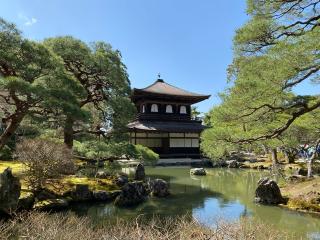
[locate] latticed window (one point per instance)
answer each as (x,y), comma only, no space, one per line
(154,108)
(169,109)
(183,110)
(143,110)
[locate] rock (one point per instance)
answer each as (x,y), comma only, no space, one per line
(232,163)
(26,201)
(268,192)
(252,160)
(115,193)
(10,188)
(121,180)
(102,196)
(261,167)
(140,173)
(301,171)
(81,193)
(296,178)
(45,194)
(51,204)
(244,166)
(132,194)
(102,174)
(198,171)
(105,196)
(159,188)
(221,163)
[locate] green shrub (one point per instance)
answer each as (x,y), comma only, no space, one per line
(112,167)
(146,155)
(103,150)
(6,153)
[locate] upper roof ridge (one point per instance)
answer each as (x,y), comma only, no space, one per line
(162,87)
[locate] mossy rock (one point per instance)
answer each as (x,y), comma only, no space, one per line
(26,201)
(51,204)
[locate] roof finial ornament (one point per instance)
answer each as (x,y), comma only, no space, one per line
(159,78)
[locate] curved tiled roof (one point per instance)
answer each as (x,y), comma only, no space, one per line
(163,88)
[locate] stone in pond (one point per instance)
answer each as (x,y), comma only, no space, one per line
(10,188)
(51,204)
(159,188)
(105,196)
(140,173)
(198,171)
(132,194)
(121,180)
(81,193)
(232,163)
(26,201)
(268,192)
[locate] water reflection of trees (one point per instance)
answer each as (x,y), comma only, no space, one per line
(226,186)
(240,185)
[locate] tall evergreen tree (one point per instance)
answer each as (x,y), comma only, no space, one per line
(275,51)
(104,82)
(32,81)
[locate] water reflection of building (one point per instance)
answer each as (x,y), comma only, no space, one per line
(164,121)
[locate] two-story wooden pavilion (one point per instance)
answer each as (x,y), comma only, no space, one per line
(164,122)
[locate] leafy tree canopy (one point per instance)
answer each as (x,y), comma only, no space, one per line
(275,51)
(32,81)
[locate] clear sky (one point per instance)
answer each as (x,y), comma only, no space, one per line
(188,41)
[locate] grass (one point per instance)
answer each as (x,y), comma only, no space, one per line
(67,226)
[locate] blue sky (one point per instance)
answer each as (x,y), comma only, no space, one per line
(188,41)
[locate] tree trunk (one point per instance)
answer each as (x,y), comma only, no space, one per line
(265,150)
(289,156)
(310,162)
(274,157)
(10,129)
(68,132)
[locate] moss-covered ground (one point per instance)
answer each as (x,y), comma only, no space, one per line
(64,184)
(304,196)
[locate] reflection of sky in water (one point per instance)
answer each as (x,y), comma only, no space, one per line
(223,194)
(213,210)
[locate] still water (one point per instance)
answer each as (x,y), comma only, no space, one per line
(223,193)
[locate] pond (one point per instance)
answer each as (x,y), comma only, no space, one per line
(223,193)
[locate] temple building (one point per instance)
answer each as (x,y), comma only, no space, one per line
(164,122)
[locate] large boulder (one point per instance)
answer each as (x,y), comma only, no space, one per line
(105,196)
(159,188)
(51,204)
(10,188)
(268,192)
(220,163)
(232,164)
(198,171)
(140,173)
(121,180)
(81,193)
(301,171)
(26,201)
(132,194)
(45,194)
